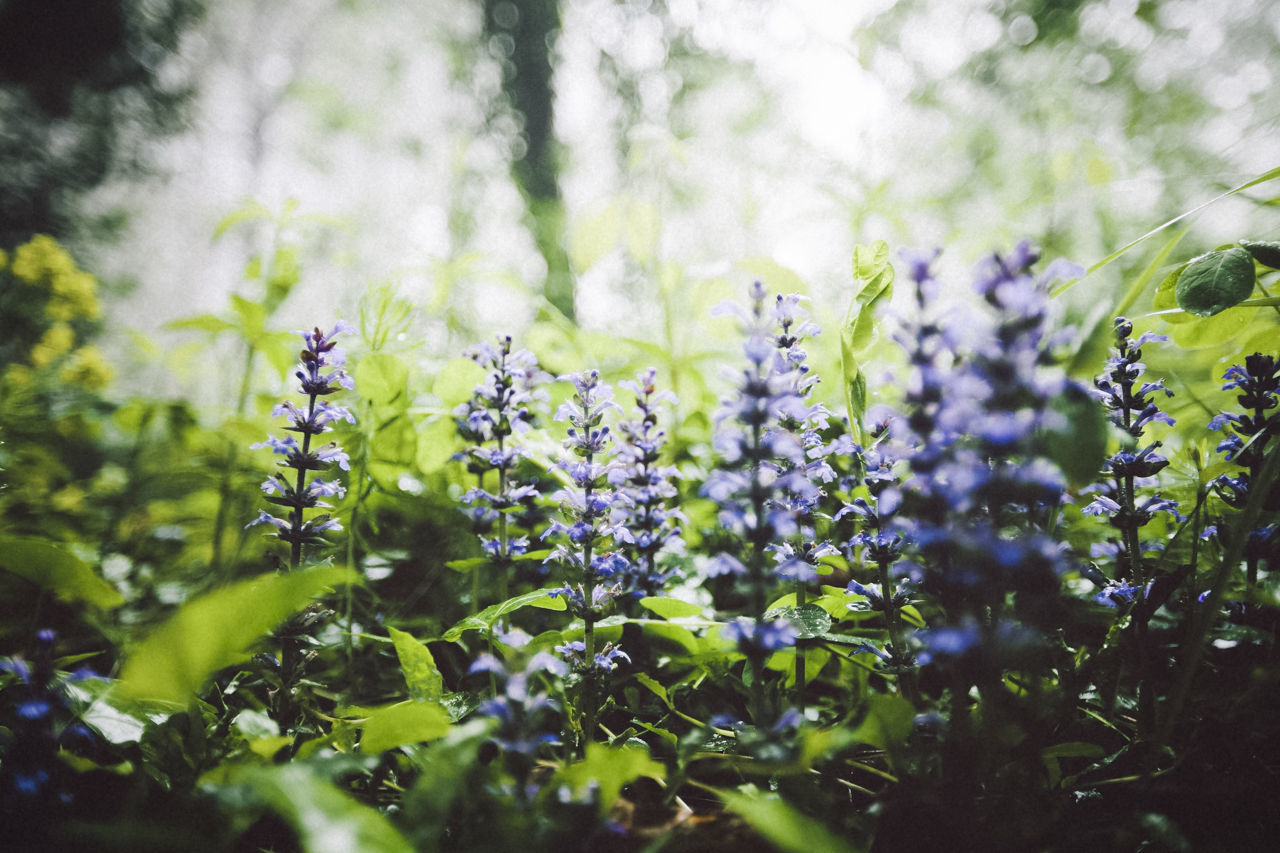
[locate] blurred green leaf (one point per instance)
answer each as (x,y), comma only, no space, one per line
(61,572)
(669,608)
(606,769)
(402,724)
(250,211)
(887,723)
(217,630)
(456,381)
(810,619)
(774,276)
(1214,282)
(437,442)
(643,228)
(325,819)
(382,378)
(1078,444)
(210,323)
(421,674)
(253,317)
(782,825)
(255,724)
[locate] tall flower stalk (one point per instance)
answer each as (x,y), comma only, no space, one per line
(498,409)
(296,490)
(586,505)
(761,478)
(645,522)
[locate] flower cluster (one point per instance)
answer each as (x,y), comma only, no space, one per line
(500,407)
(320,352)
(980,494)
(43,722)
(644,519)
(1258,384)
(527,719)
(1131,405)
(587,503)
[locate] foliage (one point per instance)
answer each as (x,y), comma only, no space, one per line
(957,609)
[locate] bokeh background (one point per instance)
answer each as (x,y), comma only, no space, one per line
(496,160)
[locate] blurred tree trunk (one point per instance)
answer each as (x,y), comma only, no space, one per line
(526,31)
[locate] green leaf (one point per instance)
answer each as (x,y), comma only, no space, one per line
(670,638)
(65,575)
(211,323)
(469,564)
(253,317)
(437,442)
(255,724)
(642,231)
(382,377)
(810,620)
(421,674)
(217,630)
(1267,254)
(782,825)
(250,211)
(855,383)
(325,819)
(1214,282)
(670,608)
(484,620)
(402,724)
(605,769)
(888,721)
(456,381)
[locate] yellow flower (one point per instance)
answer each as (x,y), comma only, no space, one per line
(74,294)
(58,339)
(88,369)
(40,259)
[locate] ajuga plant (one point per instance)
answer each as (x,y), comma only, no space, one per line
(760,480)
(593,572)
(979,501)
(297,490)
(1252,429)
(645,522)
(499,408)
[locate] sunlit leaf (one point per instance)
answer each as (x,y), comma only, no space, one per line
(605,769)
(643,228)
(218,630)
(455,382)
(437,442)
(670,608)
(782,825)
(325,819)
(211,323)
(888,721)
(1214,282)
(485,619)
(61,572)
(419,667)
(775,277)
(402,724)
(382,377)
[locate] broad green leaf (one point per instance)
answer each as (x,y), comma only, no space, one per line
(218,630)
(1265,253)
(253,317)
(670,608)
(1211,331)
(605,769)
(255,724)
(325,819)
(888,721)
(855,384)
(381,377)
(251,211)
(469,564)
(782,825)
(670,638)
(402,724)
(1166,296)
(594,237)
(1074,749)
(485,619)
(456,381)
(281,349)
(437,442)
(64,574)
(1214,282)
(395,442)
(421,674)
(810,620)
